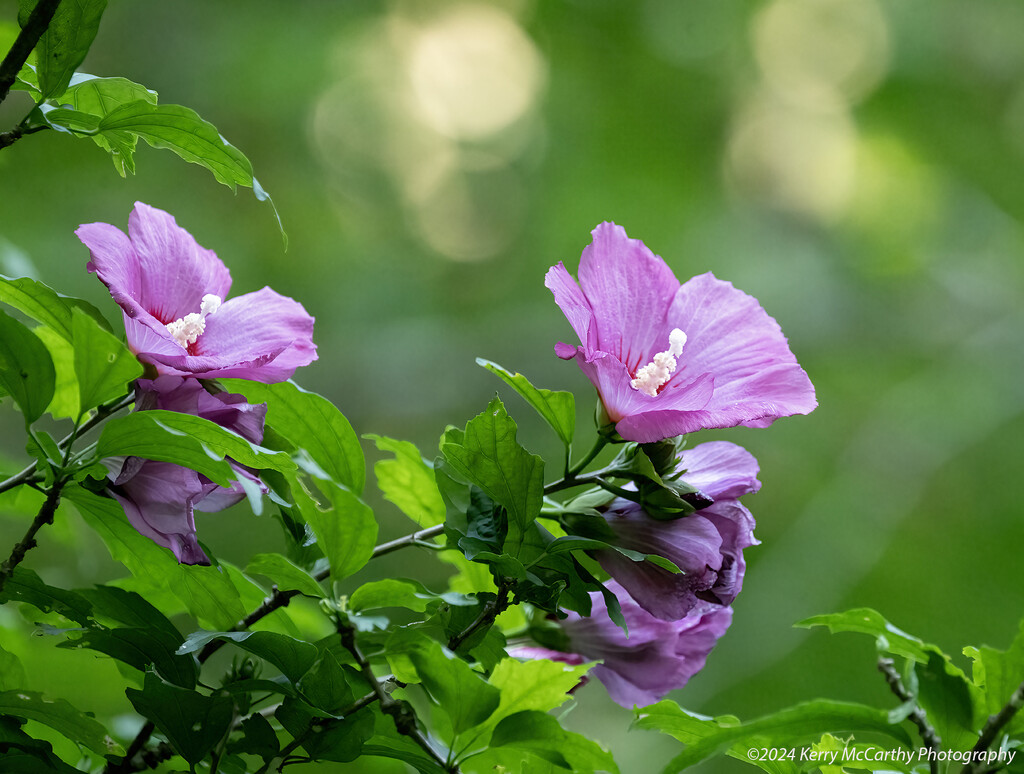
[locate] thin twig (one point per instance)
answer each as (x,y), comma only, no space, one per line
(491,610)
(917,717)
(400,711)
(36,24)
(44,517)
(104,411)
(994,725)
(275,601)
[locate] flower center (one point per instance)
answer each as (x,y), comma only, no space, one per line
(653,376)
(187,329)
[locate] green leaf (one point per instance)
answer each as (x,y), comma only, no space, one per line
(538,684)
(207,592)
(344,526)
(802,723)
(26,370)
(408,481)
(130,609)
(540,734)
(193,723)
(180,129)
(285,575)
(24,585)
(557,408)
(187,440)
(293,657)
(104,366)
(140,648)
(488,455)
(336,740)
(313,423)
(65,402)
(326,685)
(868,621)
(998,673)
(45,305)
(461,693)
(946,697)
(387,593)
(258,738)
(63,46)
(59,715)
(12,673)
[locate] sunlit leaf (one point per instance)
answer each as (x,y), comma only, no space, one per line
(312,423)
(557,408)
(408,481)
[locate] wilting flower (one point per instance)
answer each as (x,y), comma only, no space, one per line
(172,293)
(707,545)
(159,498)
(669,359)
(657,656)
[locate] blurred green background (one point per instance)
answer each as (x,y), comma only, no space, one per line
(855,164)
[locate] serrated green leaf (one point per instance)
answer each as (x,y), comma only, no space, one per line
(187,440)
(558,409)
(313,423)
(59,715)
(461,693)
(795,725)
(45,305)
(868,621)
(63,46)
(344,526)
(285,575)
(408,481)
(540,734)
(293,657)
(103,365)
(181,130)
(110,603)
(26,370)
(488,455)
(537,684)
(193,723)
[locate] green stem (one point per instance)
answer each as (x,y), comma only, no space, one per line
(582,464)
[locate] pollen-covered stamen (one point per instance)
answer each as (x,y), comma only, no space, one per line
(186,330)
(653,376)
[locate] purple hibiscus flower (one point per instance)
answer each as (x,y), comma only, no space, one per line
(669,359)
(172,293)
(707,545)
(657,656)
(159,498)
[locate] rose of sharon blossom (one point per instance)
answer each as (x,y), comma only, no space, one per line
(657,656)
(669,359)
(173,294)
(707,545)
(159,498)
